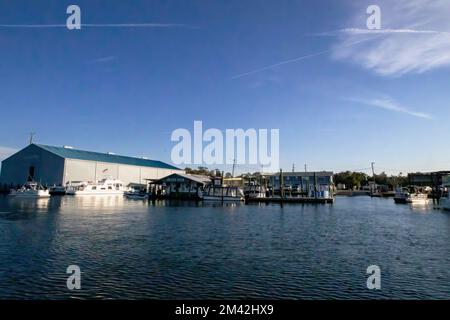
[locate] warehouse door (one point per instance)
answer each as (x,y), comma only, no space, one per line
(31,173)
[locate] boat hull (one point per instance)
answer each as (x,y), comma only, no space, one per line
(136,196)
(400,200)
(32,195)
(96,193)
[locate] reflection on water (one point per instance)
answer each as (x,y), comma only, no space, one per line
(174,249)
(29,203)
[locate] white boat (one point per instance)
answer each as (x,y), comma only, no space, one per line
(222,193)
(72,186)
(103,187)
(410,195)
(417,198)
(31,190)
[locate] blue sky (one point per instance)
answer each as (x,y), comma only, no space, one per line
(341,97)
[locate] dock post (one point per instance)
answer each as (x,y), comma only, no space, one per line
(281,186)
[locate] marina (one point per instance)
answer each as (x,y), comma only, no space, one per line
(166,249)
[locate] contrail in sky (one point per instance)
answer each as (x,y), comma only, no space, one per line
(99,25)
(353,31)
(311,55)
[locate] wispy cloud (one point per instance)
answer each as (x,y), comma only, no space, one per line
(105,59)
(389,104)
(100,25)
(415,38)
(358,31)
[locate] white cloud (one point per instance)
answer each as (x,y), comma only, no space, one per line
(415,38)
(389,104)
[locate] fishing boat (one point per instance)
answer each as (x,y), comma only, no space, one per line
(411,195)
(417,198)
(401,194)
(103,187)
(31,190)
(222,193)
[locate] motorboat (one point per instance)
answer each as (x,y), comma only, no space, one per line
(401,194)
(102,187)
(412,195)
(31,190)
(57,190)
(417,198)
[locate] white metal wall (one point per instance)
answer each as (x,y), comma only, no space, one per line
(82,170)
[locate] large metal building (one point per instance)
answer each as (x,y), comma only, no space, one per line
(58,165)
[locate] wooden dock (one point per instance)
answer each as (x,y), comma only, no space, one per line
(290,200)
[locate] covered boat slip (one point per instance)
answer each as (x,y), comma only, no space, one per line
(178,186)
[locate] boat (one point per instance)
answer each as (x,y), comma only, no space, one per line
(417,198)
(255,191)
(136,195)
(102,187)
(401,194)
(410,195)
(444,200)
(31,190)
(222,193)
(57,190)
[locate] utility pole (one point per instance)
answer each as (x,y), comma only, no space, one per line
(234,163)
(293,167)
(31,137)
(306,168)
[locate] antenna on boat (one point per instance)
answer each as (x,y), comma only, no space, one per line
(31,137)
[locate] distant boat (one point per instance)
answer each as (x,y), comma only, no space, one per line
(31,190)
(417,198)
(222,193)
(57,190)
(401,194)
(103,187)
(410,195)
(444,201)
(255,191)
(136,195)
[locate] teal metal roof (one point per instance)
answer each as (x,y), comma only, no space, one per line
(105,157)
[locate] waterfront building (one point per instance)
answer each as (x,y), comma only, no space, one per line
(428,179)
(303,183)
(181,185)
(51,165)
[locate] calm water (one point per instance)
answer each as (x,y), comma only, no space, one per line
(129,249)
